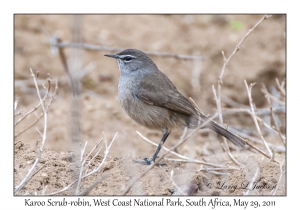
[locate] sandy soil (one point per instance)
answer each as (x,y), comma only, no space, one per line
(260,59)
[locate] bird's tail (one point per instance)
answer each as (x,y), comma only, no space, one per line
(236,140)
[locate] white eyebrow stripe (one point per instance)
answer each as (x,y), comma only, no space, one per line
(123,56)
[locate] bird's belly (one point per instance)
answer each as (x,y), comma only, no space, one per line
(152,117)
(149,116)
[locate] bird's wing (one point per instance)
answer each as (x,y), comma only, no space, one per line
(164,95)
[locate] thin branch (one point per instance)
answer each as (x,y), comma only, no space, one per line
(252,181)
(81,169)
(35,122)
(16,104)
(90,173)
(270,128)
(199,111)
(220,169)
(219,173)
(277,127)
(218,98)
(218,101)
(44,190)
(18,113)
(275,121)
(29,112)
(162,156)
(17,168)
(276,147)
(257,149)
(184,158)
(203,163)
(111,49)
(273,155)
(87,165)
(37,129)
(255,117)
(232,103)
(262,111)
(171,179)
(36,172)
(89,189)
(237,48)
(280,86)
(106,152)
(42,102)
(44,135)
(95,147)
(279,179)
(265,91)
(63,79)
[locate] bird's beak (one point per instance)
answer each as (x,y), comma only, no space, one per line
(112,56)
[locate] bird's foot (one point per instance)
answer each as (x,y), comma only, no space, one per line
(146,161)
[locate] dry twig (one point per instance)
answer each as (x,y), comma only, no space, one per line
(252,181)
(171,179)
(95,147)
(57,43)
(281,86)
(218,96)
(89,189)
(276,147)
(237,48)
(81,169)
(183,159)
(31,111)
(106,152)
(265,91)
(25,129)
(273,116)
(44,134)
(181,141)
(253,115)
(279,179)
(225,145)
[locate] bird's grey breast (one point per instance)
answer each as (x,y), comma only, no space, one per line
(126,91)
(139,111)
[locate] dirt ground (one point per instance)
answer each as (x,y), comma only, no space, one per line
(261,59)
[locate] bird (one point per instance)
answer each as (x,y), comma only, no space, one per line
(150,98)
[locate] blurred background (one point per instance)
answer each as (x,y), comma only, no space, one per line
(260,59)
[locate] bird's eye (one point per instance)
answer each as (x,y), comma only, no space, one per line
(127,58)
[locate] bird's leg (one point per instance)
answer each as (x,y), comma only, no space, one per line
(162,141)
